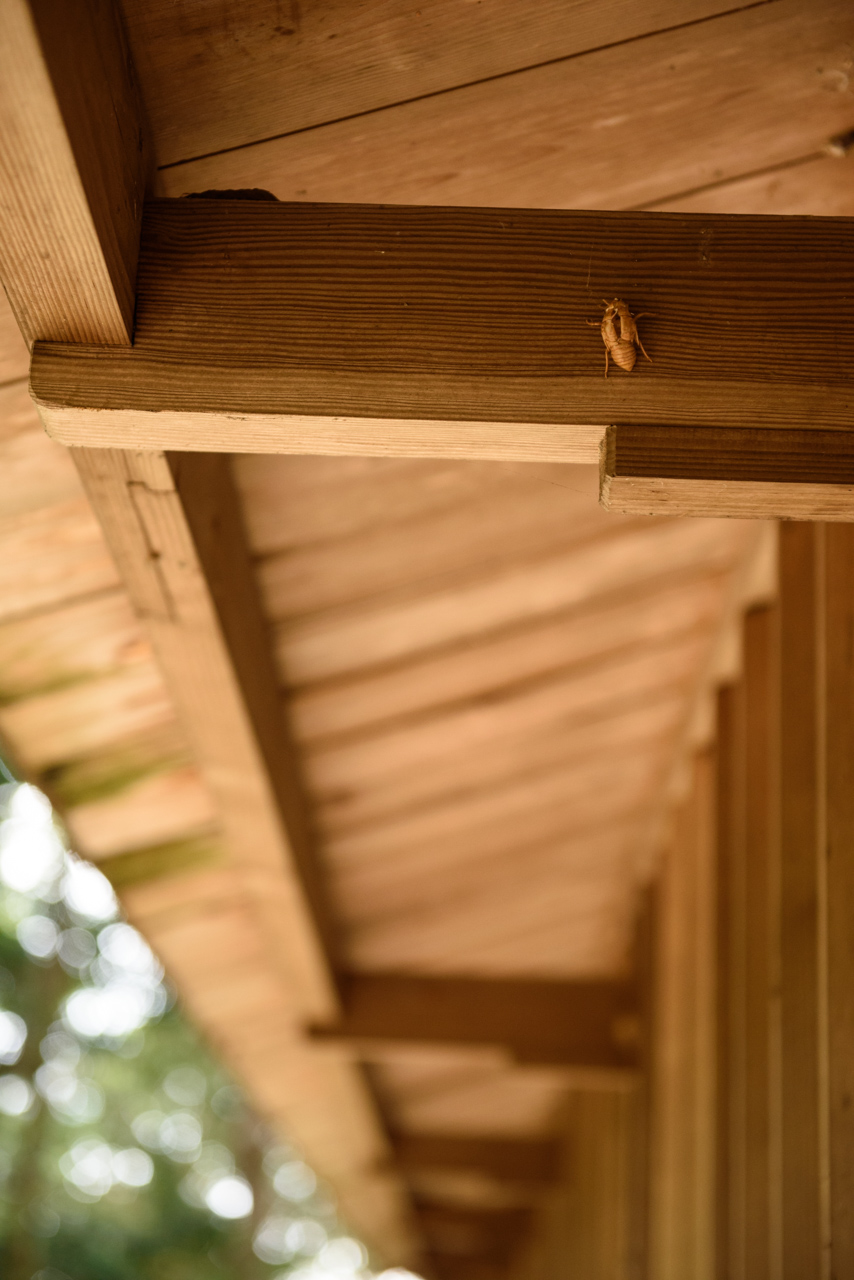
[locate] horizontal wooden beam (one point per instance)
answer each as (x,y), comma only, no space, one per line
(762,473)
(580,1024)
(508,1159)
(457,332)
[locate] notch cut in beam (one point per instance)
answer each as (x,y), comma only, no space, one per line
(359,329)
(506,1159)
(577,1024)
(716,471)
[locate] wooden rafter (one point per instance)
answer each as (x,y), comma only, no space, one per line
(524,1160)
(579,1024)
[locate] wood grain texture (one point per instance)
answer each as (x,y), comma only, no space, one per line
(819,186)
(730,955)
(682,1219)
(759,474)
(175,531)
(169,527)
(73,170)
(583,1024)
(761,747)
(216,79)
(347,315)
(616,128)
(839,889)
(803,1173)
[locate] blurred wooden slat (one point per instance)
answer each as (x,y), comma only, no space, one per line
(804,1170)
(682,1226)
(516,1160)
(817,617)
(216,79)
(408,624)
(616,128)
(585,1024)
(754,1026)
(838,887)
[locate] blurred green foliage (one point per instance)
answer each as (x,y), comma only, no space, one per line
(126,1152)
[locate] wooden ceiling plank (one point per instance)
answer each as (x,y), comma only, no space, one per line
(445,332)
(754,474)
(384,633)
(325,714)
(220,78)
(578,1024)
(615,128)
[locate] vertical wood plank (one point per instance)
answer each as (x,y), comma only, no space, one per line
(729,1094)
(838,871)
(759,727)
(682,1202)
(802,1245)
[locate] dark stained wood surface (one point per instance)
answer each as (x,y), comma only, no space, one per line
(581,1024)
(253,311)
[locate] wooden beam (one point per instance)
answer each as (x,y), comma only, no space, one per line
(761,473)
(175,530)
(581,1024)
(463,333)
(508,1159)
(73,167)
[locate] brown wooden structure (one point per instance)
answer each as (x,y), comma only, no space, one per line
(501,840)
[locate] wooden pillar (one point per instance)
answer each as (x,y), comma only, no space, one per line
(682,1217)
(584,1227)
(730,935)
(816,1112)
(746,931)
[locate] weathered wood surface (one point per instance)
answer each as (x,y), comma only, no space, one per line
(817,573)
(702,471)
(616,128)
(73,166)
(218,78)
(682,1219)
(577,1024)
(359,329)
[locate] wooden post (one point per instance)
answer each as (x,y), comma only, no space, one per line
(682,1217)
(816,1118)
(584,1227)
(729,1091)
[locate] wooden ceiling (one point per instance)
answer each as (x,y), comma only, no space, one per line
(487,681)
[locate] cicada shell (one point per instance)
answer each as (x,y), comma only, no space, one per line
(620,347)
